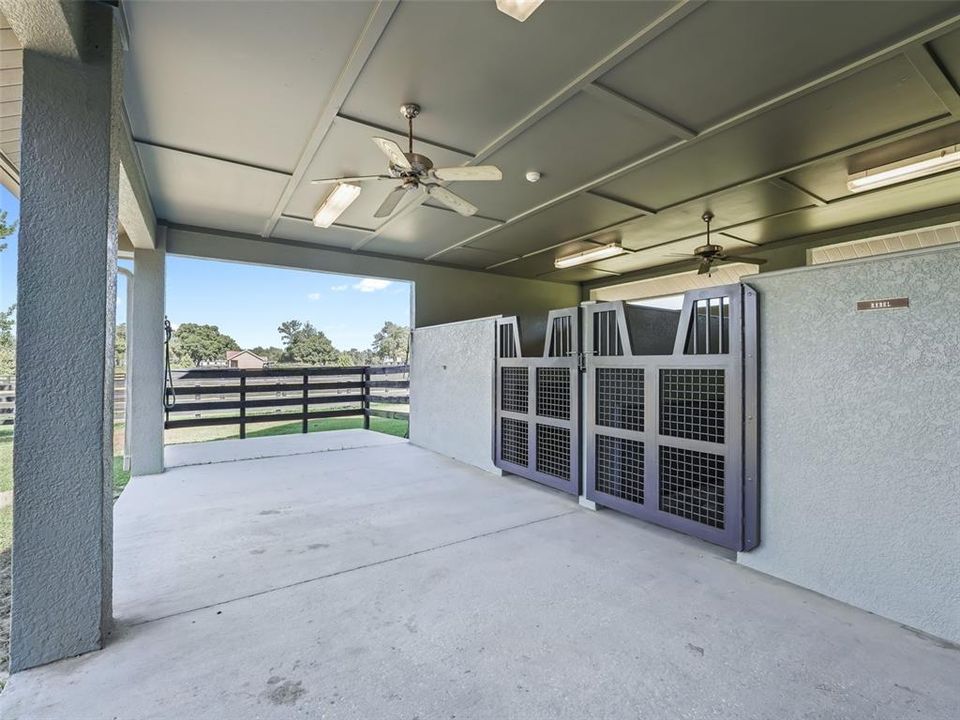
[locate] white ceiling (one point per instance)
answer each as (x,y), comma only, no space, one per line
(640,116)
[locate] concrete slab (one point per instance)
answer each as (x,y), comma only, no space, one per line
(219,451)
(497,599)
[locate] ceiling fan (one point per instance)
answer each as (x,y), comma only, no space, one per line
(415,171)
(711,253)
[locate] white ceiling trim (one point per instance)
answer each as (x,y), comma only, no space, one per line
(376,25)
(929,69)
(897,48)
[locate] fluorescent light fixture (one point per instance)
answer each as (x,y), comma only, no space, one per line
(337,201)
(600,253)
(518,9)
(908,169)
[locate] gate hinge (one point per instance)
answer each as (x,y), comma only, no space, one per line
(582,362)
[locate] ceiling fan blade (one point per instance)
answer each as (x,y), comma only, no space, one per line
(390,204)
(704,268)
(462,174)
(358,178)
(393,152)
(741,259)
(451,200)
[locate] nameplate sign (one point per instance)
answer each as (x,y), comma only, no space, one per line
(885,304)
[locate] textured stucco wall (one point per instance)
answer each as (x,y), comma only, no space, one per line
(452,387)
(441,294)
(146,360)
(860,432)
(66,304)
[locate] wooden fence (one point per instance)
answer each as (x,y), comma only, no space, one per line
(8,398)
(230,396)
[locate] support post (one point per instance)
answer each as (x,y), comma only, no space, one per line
(366,397)
(306,406)
(66,305)
(145,366)
(243,404)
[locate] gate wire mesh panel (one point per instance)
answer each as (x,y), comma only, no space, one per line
(692,485)
(619,398)
(513,389)
(513,441)
(553,451)
(692,404)
(620,468)
(553,392)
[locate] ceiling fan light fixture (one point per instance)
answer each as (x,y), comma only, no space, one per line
(335,203)
(601,253)
(907,169)
(518,9)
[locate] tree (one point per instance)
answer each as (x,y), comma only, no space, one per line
(201,343)
(303,343)
(120,346)
(270,354)
(354,358)
(8,339)
(392,343)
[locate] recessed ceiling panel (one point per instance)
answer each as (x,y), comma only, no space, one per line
(576,143)
(476,71)
(424,231)
(876,101)
(348,150)
(243,81)
(743,204)
(933,192)
(471,257)
(571,218)
(193,190)
(305,231)
(947,50)
(729,56)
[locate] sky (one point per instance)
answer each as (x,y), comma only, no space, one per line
(248,302)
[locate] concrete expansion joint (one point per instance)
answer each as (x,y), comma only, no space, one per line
(364,566)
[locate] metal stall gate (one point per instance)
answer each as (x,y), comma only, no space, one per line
(538,401)
(672,438)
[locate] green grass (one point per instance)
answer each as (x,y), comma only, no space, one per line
(6,463)
(230,432)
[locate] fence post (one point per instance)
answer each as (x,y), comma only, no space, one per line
(366,397)
(243,405)
(306,394)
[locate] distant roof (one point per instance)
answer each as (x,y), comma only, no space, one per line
(231,354)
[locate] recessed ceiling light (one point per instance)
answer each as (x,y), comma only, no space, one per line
(337,201)
(533,176)
(518,9)
(907,169)
(601,253)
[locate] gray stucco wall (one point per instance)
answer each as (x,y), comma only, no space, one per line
(442,294)
(452,390)
(860,433)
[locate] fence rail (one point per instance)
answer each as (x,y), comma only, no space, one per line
(341,391)
(8,398)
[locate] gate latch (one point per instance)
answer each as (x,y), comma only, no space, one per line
(581,362)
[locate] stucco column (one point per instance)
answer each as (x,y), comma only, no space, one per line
(145,361)
(66,304)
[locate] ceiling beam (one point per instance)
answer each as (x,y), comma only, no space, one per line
(935,76)
(376,24)
(645,35)
(650,117)
(620,201)
(897,48)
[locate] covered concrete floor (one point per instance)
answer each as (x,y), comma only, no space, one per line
(390,582)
